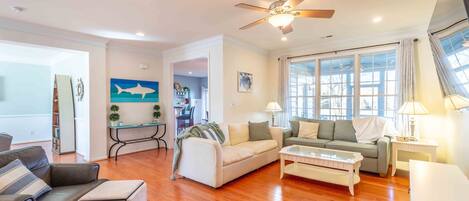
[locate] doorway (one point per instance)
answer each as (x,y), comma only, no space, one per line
(190,93)
(39,100)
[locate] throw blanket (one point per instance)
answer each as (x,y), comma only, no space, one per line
(369,130)
(208,131)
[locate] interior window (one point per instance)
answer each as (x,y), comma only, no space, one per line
(337,88)
(302,89)
(378,92)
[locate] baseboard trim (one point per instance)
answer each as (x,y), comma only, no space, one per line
(112,157)
(32,141)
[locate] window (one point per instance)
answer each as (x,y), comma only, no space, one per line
(336,88)
(378,92)
(458,57)
(302,90)
(336,96)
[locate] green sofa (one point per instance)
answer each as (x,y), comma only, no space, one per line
(340,135)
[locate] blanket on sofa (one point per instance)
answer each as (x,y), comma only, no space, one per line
(208,131)
(369,130)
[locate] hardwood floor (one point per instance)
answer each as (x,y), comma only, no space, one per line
(154,167)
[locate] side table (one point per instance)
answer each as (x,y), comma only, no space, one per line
(421,146)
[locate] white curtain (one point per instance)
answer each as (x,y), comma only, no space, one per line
(283,77)
(406,64)
(407,77)
(447,77)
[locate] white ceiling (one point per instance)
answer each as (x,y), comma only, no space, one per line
(28,54)
(168,23)
(192,68)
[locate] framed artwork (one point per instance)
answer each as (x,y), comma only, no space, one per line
(244,82)
(123,90)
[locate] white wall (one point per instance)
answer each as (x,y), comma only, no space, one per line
(19,84)
(241,57)
(76,65)
(123,62)
(22,32)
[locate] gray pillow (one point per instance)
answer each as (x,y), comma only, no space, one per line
(259,131)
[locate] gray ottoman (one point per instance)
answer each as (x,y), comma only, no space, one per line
(131,190)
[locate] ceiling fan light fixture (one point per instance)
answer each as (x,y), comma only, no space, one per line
(281,20)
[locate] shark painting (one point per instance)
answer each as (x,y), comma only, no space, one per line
(123,90)
(136,90)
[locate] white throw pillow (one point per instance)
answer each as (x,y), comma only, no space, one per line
(239,133)
(308,130)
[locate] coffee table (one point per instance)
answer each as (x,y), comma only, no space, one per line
(326,165)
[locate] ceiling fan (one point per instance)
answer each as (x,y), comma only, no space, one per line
(282,13)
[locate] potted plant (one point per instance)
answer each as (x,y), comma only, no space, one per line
(156,113)
(114,116)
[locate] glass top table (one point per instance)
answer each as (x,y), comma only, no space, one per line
(326,165)
(321,153)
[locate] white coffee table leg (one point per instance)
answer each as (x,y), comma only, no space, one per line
(282,166)
(351,181)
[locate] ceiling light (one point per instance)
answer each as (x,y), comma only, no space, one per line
(17,9)
(190,73)
(140,34)
(284,38)
(377,19)
(281,20)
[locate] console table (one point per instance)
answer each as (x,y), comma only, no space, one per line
(122,143)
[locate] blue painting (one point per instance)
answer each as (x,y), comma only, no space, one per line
(134,91)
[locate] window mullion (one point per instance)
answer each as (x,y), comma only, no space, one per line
(317,101)
(356,96)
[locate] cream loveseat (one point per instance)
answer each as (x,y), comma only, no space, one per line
(210,163)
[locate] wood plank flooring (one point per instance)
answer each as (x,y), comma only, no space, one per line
(154,167)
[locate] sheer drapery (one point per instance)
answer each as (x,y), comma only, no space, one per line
(283,77)
(406,68)
(446,76)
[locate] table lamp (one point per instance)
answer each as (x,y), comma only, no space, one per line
(412,108)
(273,107)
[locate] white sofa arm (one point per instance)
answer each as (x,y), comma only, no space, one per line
(201,160)
(277,135)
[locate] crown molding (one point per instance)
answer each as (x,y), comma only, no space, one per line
(240,43)
(196,45)
(330,45)
(119,46)
(26,27)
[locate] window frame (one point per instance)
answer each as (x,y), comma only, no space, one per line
(356,78)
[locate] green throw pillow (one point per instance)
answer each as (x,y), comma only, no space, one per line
(259,131)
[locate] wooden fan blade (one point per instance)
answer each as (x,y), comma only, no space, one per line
(293,3)
(287,29)
(252,7)
(315,13)
(257,22)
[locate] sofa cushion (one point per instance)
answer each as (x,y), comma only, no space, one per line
(15,178)
(344,131)
(306,142)
(67,193)
(259,131)
(326,127)
(258,147)
(367,150)
(238,133)
(233,154)
(308,130)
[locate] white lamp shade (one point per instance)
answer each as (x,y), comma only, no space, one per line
(456,102)
(273,107)
(413,108)
(281,20)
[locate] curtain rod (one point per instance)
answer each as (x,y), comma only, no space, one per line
(343,50)
(448,27)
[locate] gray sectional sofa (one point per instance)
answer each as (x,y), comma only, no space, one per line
(340,135)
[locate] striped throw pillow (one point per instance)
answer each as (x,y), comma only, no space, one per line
(15,178)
